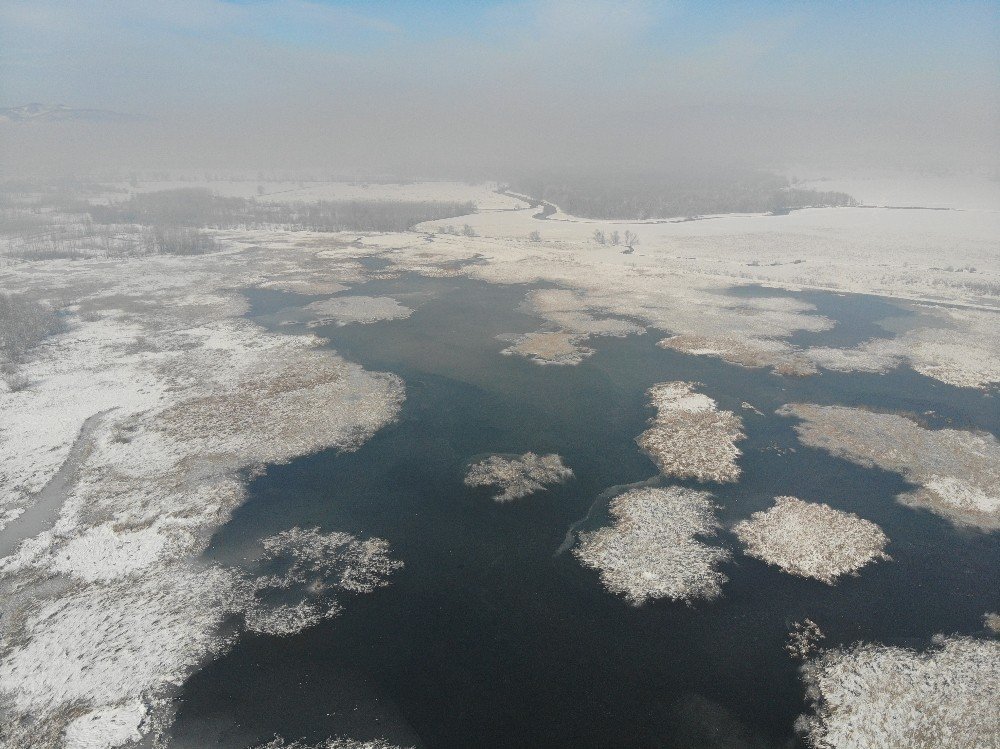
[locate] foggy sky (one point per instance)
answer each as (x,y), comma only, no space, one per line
(476,88)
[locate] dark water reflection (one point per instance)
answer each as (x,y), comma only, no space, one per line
(488,638)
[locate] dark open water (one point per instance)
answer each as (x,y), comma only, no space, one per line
(487,638)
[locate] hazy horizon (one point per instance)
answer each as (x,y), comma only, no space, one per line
(475,89)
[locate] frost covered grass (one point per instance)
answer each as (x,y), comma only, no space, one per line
(689,437)
(518,476)
(811,540)
(652,550)
(958,472)
(881,697)
(23,324)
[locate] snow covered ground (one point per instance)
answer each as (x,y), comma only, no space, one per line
(108,608)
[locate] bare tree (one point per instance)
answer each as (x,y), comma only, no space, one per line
(631,239)
(599,237)
(535,236)
(615,238)
(468,231)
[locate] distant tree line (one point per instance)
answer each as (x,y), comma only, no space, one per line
(174,221)
(199,208)
(642,197)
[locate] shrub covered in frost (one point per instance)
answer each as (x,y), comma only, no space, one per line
(881,697)
(519,476)
(310,568)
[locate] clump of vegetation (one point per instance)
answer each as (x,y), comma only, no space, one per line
(956,472)
(177,240)
(518,476)
(804,639)
(311,568)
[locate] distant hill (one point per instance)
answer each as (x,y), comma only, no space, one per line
(36,112)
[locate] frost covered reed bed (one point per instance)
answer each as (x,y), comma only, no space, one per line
(519,476)
(689,437)
(958,472)
(652,549)
(811,540)
(571,326)
(880,697)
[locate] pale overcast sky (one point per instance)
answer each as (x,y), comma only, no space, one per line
(488,83)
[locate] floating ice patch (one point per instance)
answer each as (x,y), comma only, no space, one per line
(689,437)
(811,540)
(958,471)
(652,550)
(344,310)
(311,568)
(891,698)
(519,476)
